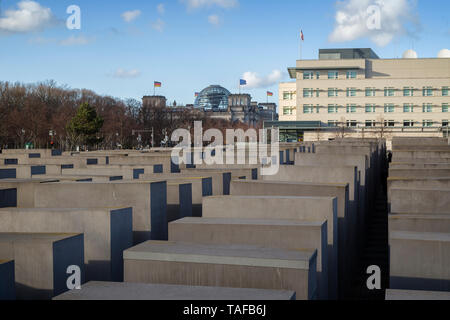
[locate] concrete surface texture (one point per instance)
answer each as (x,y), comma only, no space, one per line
(41,261)
(283,234)
(107,232)
(421,295)
(235,266)
(142,291)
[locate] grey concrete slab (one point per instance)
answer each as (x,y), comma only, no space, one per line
(419,222)
(418,173)
(410,295)
(221,179)
(419,260)
(107,232)
(41,261)
(19,192)
(7,280)
(283,234)
(283,207)
(140,291)
(202,186)
(419,200)
(367,191)
(148,200)
(331,175)
(235,266)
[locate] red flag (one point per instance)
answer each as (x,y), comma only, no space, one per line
(301,35)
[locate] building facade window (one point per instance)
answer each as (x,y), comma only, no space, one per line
(445,91)
(351,74)
(445,123)
(370,123)
(288,111)
(332,108)
(318,75)
(370,108)
(308,93)
(332,92)
(408,92)
(370,92)
(389,92)
(308,108)
(445,107)
(333,75)
(308,75)
(287,95)
(389,108)
(389,123)
(317,93)
(352,123)
(351,108)
(408,123)
(351,92)
(427,91)
(427,108)
(407,107)
(427,123)
(332,123)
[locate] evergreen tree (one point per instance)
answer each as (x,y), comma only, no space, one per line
(85,125)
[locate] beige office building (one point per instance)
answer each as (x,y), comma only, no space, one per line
(353,92)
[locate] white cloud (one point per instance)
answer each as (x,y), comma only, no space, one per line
(158,25)
(214,19)
(357,19)
(126,74)
(129,16)
(76,41)
(161,9)
(29,16)
(255,81)
(196,4)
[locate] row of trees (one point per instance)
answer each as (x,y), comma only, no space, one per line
(49,115)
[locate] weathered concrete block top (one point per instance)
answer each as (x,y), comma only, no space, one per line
(274,182)
(241,255)
(420,236)
(261,222)
(140,291)
(35,237)
(416,295)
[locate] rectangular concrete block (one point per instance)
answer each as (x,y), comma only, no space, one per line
(419,222)
(107,232)
(419,260)
(21,191)
(419,295)
(221,179)
(148,200)
(41,261)
(223,266)
(95,291)
(7,280)
(307,189)
(416,200)
(310,209)
(418,173)
(282,234)
(202,186)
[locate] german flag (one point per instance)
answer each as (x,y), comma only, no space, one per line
(158,84)
(269,94)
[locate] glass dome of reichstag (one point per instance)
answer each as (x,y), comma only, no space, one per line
(213,98)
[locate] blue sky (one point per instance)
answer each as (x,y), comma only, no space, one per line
(190,44)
